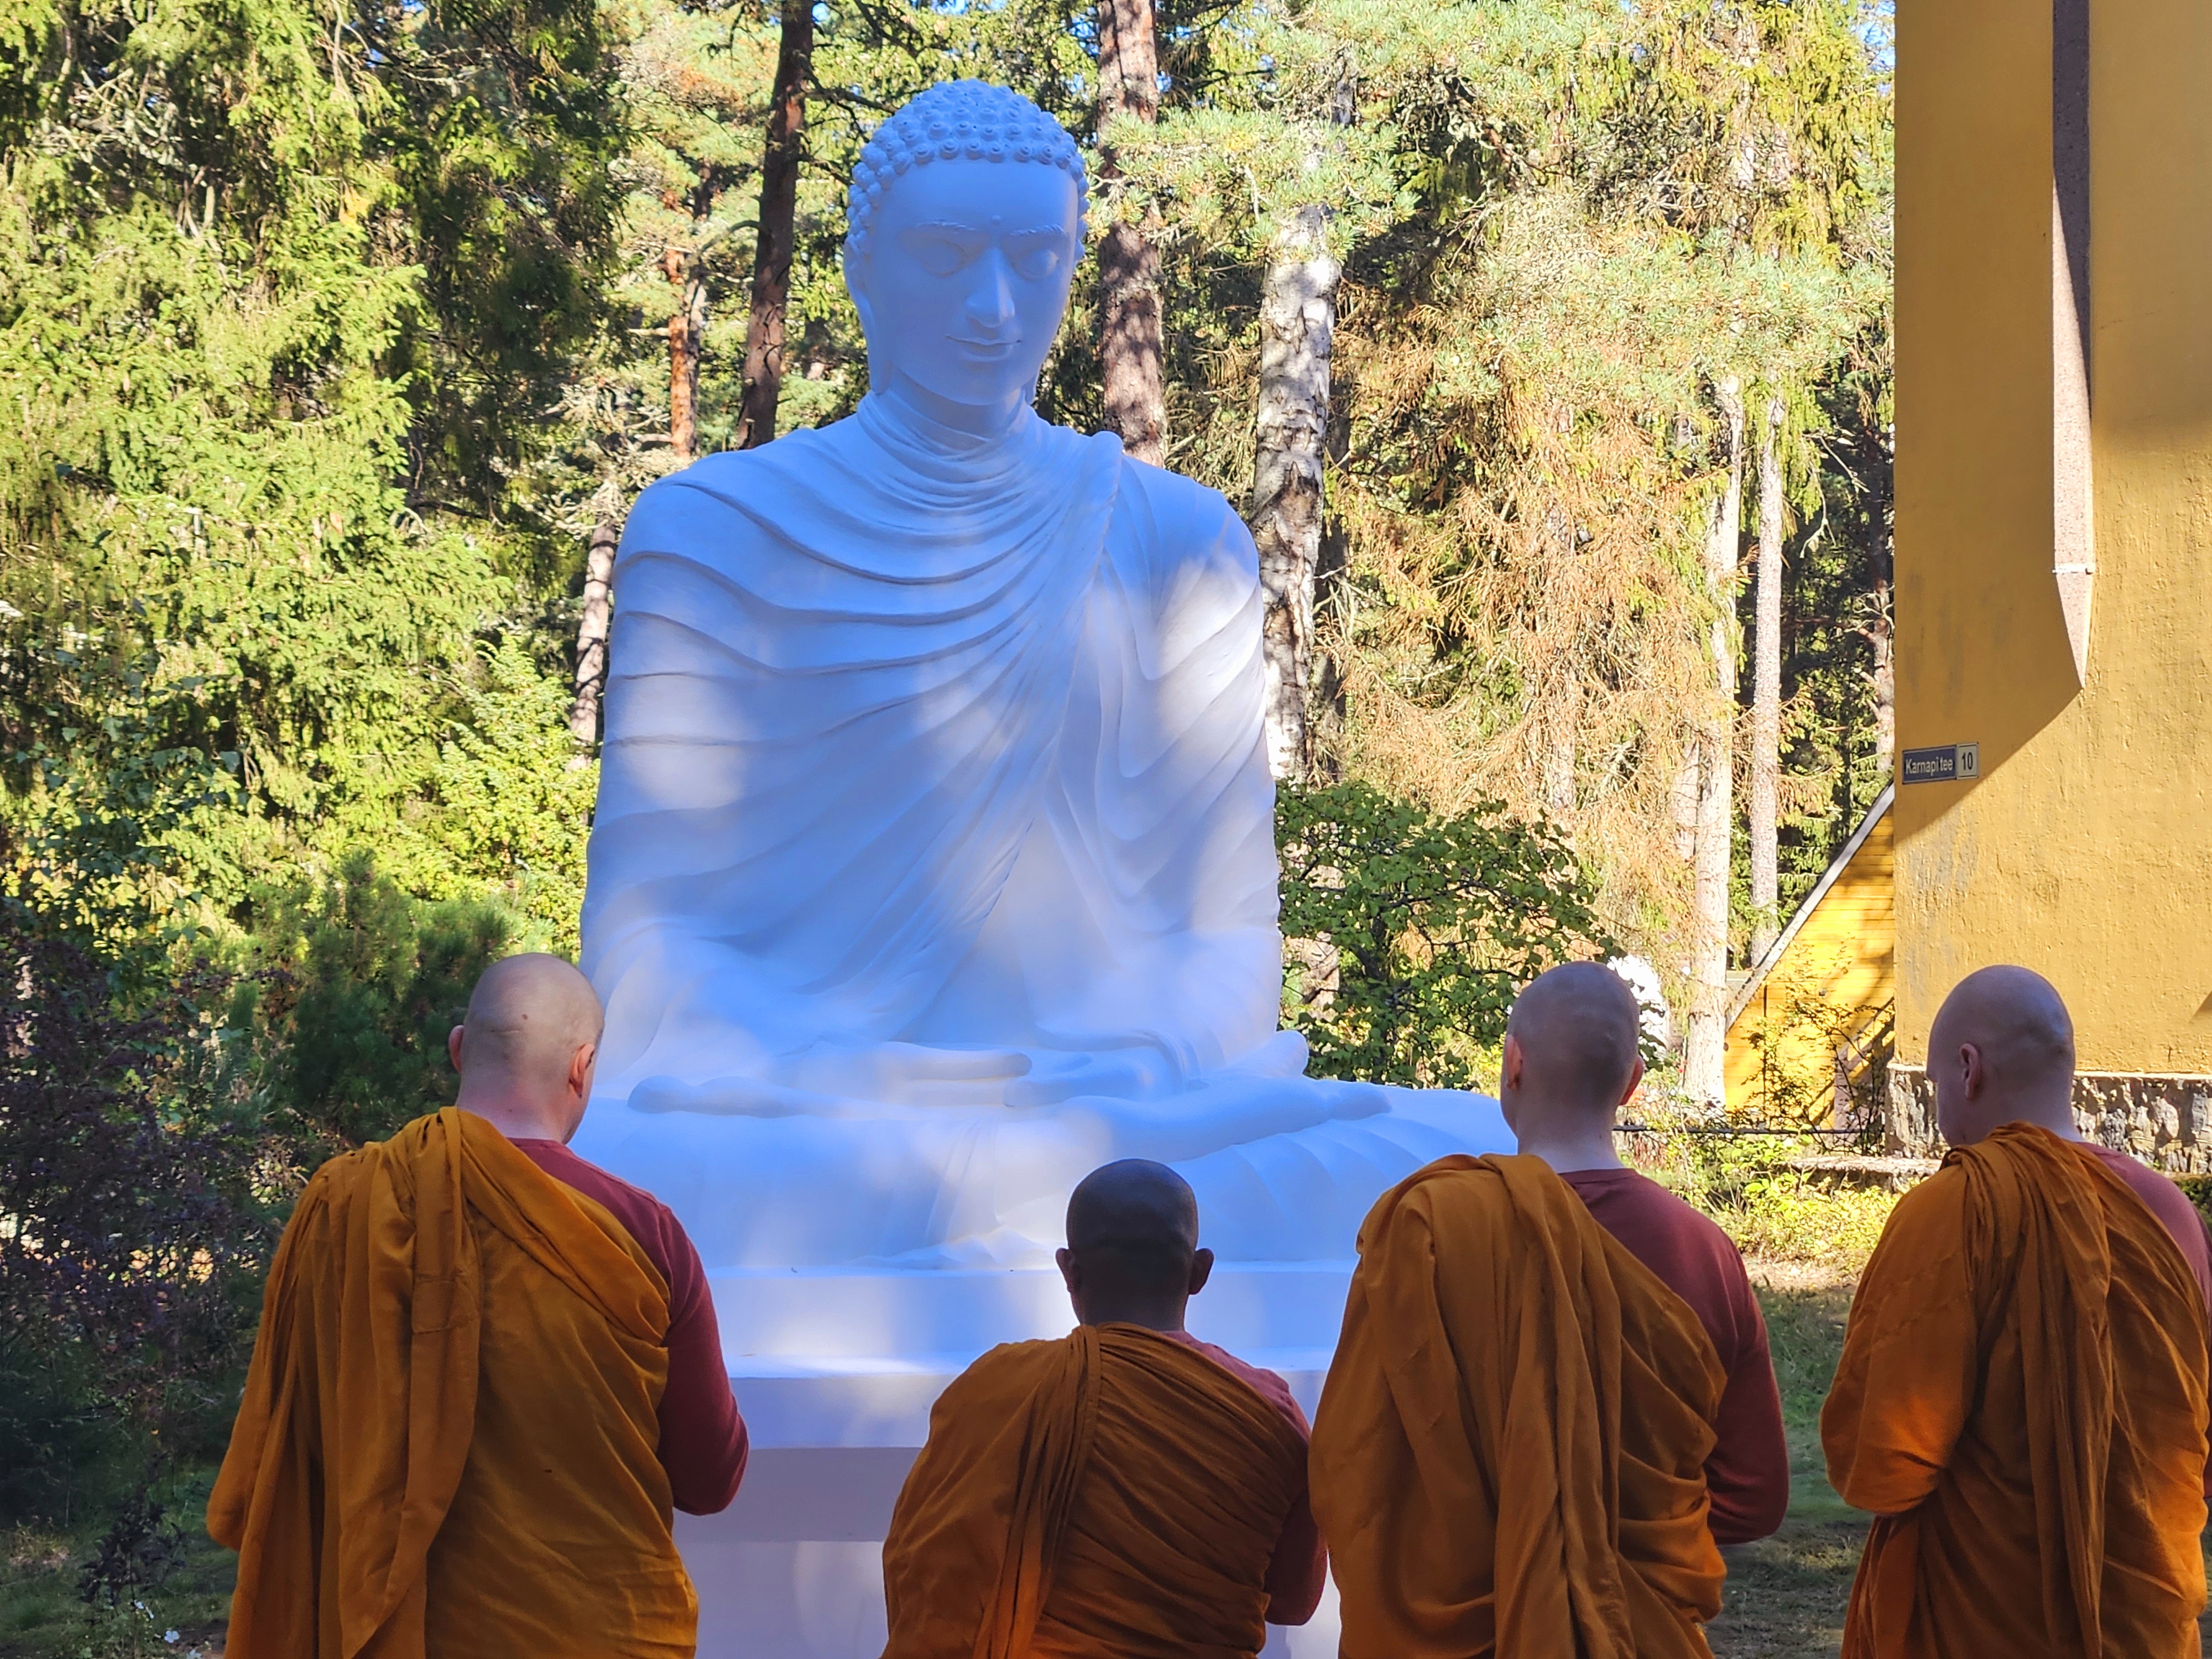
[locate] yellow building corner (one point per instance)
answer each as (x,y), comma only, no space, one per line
(2054,447)
(1811,1024)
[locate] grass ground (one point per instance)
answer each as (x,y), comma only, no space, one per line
(43,1616)
(1786,1594)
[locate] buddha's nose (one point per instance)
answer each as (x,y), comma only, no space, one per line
(991,301)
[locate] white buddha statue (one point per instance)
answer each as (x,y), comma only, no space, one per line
(933,862)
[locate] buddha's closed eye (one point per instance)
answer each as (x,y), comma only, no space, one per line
(944,249)
(1035,255)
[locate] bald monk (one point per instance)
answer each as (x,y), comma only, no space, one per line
(1572,1060)
(1511,1452)
(1126,1489)
(486,1371)
(2021,1399)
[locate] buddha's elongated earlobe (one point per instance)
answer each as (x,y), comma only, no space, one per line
(855,290)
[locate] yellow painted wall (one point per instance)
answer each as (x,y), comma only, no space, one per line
(1839,967)
(2085,850)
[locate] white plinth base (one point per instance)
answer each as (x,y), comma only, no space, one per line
(793,1569)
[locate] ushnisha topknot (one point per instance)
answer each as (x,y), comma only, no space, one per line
(956,120)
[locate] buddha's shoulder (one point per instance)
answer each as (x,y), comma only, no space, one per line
(1183,522)
(736,479)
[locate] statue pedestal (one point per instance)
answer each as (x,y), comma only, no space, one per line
(793,1569)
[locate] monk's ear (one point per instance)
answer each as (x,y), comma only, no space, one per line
(454,1045)
(1635,1081)
(1973,1071)
(1202,1269)
(1070,1275)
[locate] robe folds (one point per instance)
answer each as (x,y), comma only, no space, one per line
(1114,1491)
(918,742)
(2021,1404)
(447,1441)
(1509,1454)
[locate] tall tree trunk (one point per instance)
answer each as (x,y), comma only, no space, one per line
(1704,1068)
(1766,694)
(1297,323)
(591,630)
(1883,678)
(779,211)
(686,322)
(1129,265)
(1880,631)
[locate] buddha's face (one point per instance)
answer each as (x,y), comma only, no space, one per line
(964,278)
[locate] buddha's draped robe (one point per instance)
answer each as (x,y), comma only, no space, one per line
(2021,1402)
(1510,1452)
(1115,1491)
(933,864)
(447,1441)
(918,743)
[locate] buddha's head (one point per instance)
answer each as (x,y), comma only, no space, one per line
(966,219)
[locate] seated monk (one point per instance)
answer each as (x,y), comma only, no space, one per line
(1570,1062)
(2021,1399)
(1514,1449)
(486,1372)
(1126,1489)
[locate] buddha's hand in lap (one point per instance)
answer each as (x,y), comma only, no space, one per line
(907,1074)
(1117,1074)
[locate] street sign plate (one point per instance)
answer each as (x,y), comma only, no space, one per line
(1954,762)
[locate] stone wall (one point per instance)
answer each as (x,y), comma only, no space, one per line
(2165,1120)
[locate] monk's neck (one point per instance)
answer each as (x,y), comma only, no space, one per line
(1167,1321)
(513,1115)
(1569,1154)
(2060,1124)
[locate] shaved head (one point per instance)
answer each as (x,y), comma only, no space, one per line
(1135,1205)
(1132,1252)
(2002,1051)
(1577,1026)
(525,1049)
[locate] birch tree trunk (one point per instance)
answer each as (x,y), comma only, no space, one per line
(1297,323)
(779,210)
(591,630)
(1135,390)
(1880,631)
(1766,694)
(1705,1072)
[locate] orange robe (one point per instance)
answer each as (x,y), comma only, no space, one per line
(2021,1400)
(1111,1493)
(447,1442)
(1510,1453)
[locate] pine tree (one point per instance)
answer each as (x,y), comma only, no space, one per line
(776,226)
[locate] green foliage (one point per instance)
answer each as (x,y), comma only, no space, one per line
(60,1444)
(1754,1185)
(277,334)
(359,984)
(1435,924)
(2198,1189)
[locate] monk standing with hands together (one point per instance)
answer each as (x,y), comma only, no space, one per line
(1533,1430)
(486,1373)
(2021,1399)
